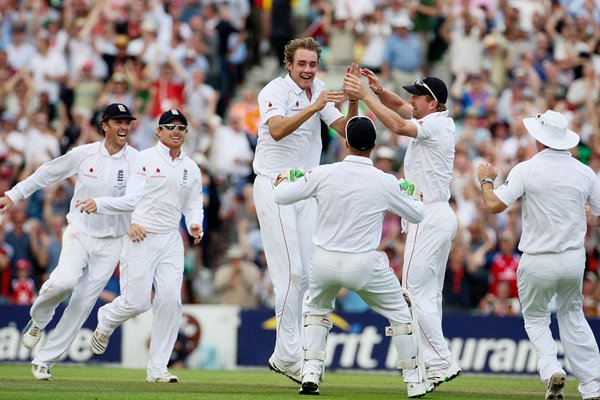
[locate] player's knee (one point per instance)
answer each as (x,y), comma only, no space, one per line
(136,307)
(319,320)
(66,284)
(170,300)
(296,279)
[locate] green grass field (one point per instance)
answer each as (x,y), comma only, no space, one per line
(98,383)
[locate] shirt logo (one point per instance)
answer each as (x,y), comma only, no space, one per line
(90,173)
(296,107)
(184,182)
(157,174)
(270,107)
(120,179)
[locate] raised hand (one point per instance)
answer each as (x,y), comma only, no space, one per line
(353,87)
(374,83)
(486,170)
(327,96)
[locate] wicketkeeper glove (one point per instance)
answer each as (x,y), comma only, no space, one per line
(290,174)
(411,189)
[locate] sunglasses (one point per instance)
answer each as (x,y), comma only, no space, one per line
(171,127)
(419,82)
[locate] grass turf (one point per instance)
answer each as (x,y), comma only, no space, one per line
(99,383)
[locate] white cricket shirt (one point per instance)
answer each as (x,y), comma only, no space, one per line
(352,198)
(301,148)
(555,188)
(430,156)
(98,174)
(160,191)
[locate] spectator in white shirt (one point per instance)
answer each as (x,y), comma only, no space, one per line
(19,51)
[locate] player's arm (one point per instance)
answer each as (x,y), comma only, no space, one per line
(339,125)
(486,174)
(392,120)
(286,192)
(592,208)
(108,205)
(193,210)
(48,173)
(388,98)
(280,126)
(409,207)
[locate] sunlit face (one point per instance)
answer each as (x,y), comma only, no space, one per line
(303,68)
(116,131)
(422,105)
(173,139)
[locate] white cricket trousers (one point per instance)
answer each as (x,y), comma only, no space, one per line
(156,262)
(85,265)
(368,274)
(425,257)
(539,278)
(287,233)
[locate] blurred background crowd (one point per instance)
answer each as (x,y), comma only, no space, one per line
(63,61)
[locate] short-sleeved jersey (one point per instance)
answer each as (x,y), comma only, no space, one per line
(555,188)
(430,156)
(301,148)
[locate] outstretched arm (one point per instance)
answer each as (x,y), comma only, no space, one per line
(388,98)
(392,120)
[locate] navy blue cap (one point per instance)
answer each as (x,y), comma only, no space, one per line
(170,115)
(117,111)
(360,133)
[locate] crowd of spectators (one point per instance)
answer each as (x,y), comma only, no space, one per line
(63,61)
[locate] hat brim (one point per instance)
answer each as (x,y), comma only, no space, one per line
(119,116)
(417,90)
(539,133)
(171,118)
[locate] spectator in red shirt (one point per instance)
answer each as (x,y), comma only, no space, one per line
(504,265)
(23,287)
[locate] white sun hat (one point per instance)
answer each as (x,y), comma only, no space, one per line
(552,129)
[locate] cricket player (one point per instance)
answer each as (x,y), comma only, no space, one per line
(428,164)
(352,198)
(166,184)
(555,188)
(291,111)
(91,244)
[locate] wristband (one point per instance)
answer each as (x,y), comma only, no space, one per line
(352,101)
(486,180)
